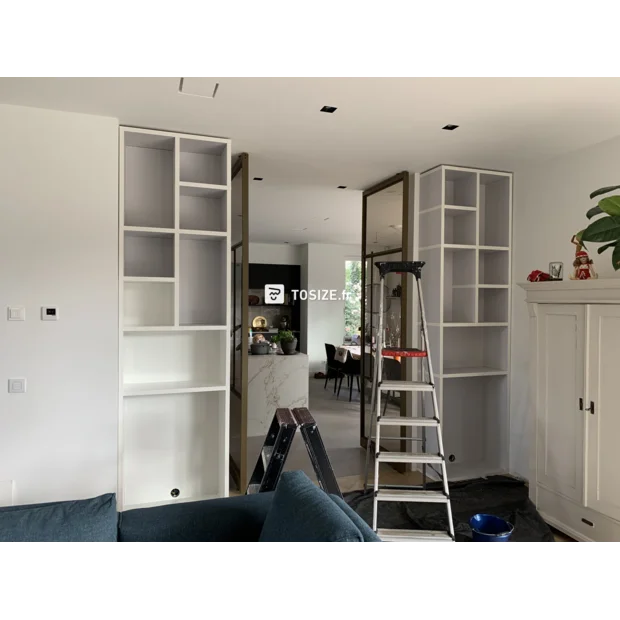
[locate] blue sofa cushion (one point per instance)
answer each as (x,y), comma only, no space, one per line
(367,532)
(215,520)
(84,520)
(301,512)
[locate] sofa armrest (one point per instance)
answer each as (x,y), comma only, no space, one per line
(226,519)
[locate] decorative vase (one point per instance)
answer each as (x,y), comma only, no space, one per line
(284,323)
(289,348)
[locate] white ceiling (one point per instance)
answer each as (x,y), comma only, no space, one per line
(381,126)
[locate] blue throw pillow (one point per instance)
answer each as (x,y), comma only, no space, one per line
(301,512)
(85,520)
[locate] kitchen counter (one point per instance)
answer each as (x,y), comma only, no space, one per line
(274,381)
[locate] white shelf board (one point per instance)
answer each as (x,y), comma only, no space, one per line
(474,371)
(458,210)
(174,387)
(143,231)
(204,235)
(493,248)
(457,247)
(463,286)
(174,328)
(493,286)
(170,501)
(469,324)
(139,279)
(202,190)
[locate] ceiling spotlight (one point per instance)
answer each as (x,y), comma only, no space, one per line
(258,178)
(450,127)
(342,187)
(330,109)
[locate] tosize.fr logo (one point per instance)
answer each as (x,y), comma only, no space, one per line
(274,293)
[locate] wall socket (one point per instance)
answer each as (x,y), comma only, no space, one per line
(17,385)
(49,313)
(16,313)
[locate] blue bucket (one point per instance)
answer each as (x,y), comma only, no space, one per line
(488,528)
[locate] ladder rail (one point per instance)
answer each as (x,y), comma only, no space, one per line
(426,373)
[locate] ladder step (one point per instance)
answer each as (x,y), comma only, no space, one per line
(408,457)
(406,386)
(388,535)
(402,352)
(405,495)
(402,421)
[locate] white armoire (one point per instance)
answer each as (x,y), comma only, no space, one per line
(575,405)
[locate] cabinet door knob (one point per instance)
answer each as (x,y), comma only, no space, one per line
(590,408)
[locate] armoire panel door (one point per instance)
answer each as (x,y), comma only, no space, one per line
(560,423)
(603,425)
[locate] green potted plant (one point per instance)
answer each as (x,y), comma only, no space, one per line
(287,341)
(607,228)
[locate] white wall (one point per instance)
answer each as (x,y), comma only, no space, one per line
(59,246)
(275,253)
(325,319)
(551,200)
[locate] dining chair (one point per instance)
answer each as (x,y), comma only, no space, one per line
(351,369)
(334,367)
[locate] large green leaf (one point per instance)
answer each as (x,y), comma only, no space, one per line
(610,205)
(615,259)
(606,247)
(603,230)
(604,190)
(579,236)
(593,211)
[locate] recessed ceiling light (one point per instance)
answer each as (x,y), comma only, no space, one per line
(198,87)
(450,127)
(258,178)
(342,187)
(330,109)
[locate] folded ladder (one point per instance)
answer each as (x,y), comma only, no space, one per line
(404,493)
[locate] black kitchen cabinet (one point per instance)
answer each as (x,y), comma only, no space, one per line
(263,274)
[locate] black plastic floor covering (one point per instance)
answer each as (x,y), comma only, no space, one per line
(503,496)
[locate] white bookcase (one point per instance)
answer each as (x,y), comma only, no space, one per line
(465,233)
(174,307)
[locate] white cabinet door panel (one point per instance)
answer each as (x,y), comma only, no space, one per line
(603,426)
(560,423)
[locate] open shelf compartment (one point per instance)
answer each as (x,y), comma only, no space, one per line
(168,362)
(461,187)
(474,424)
(494,210)
(493,305)
(460,226)
(148,180)
(149,253)
(493,267)
(202,280)
(202,209)
(148,303)
(475,351)
(173,448)
(459,292)
(203,161)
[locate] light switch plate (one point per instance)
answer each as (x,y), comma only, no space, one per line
(16,313)
(17,385)
(49,313)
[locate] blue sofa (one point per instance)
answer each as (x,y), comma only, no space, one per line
(297,511)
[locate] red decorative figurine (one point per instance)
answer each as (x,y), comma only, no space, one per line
(583,264)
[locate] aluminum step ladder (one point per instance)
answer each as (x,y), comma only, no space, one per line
(381,422)
(277,445)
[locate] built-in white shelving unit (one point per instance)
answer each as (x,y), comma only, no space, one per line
(175,312)
(465,234)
